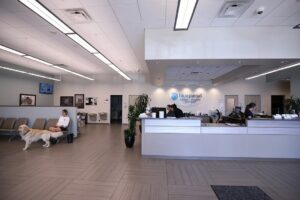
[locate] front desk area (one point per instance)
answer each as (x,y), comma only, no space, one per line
(149,99)
(189,138)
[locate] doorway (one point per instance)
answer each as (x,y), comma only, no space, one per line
(115,108)
(277,104)
(230,102)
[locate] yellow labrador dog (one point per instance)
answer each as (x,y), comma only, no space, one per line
(32,135)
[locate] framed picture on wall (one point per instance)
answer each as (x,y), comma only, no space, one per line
(79,100)
(66,101)
(27,100)
(91,101)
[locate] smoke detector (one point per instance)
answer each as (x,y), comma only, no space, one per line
(234,9)
(78,15)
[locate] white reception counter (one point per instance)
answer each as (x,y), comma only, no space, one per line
(187,137)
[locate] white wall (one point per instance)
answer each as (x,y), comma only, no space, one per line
(223,43)
(295,86)
(13,84)
(212,97)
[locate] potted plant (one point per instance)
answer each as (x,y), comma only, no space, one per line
(133,115)
(293,105)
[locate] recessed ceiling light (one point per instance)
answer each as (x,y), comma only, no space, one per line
(11,50)
(82,43)
(36,7)
(185,11)
(29,73)
(273,71)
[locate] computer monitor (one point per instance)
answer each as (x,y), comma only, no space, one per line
(157,109)
(238,109)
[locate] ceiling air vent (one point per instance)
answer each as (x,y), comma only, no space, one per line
(78,15)
(234,9)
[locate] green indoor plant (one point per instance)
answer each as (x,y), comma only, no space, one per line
(139,107)
(293,105)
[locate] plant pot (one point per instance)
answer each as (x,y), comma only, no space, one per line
(129,141)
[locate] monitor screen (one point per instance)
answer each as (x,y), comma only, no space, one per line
(46,88)
(238,109)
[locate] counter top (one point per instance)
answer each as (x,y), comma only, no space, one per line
(173,118)
(271,119)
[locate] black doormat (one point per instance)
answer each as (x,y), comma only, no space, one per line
(225,192)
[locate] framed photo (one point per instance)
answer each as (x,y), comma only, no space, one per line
(66,101)
(27,100)
(91,101)
(79,100)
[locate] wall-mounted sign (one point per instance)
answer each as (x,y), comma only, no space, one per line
(186,98)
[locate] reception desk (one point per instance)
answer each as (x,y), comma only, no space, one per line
(189,138)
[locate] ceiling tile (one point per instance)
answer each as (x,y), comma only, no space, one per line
(223,21)
(286,9)
(246,21)
(205,12)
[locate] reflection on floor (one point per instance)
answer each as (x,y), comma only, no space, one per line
(98,166)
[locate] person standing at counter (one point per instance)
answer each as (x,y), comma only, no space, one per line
(177,112)
(170,112)
(249,110)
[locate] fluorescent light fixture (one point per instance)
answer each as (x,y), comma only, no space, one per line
(11,51)
(184,15)
(38,60)
(273,71)
(119,71)
(28,73)
(43,12)
(77,74)
(82,43)
(102,58)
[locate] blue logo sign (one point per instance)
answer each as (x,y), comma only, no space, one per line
(174,96)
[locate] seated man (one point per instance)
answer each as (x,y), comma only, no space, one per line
(61,125)
(177,112)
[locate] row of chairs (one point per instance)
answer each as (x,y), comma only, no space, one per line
(9,126)
(12,124)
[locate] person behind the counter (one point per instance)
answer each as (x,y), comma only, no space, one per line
(177,112)
(170,112)
(249,110)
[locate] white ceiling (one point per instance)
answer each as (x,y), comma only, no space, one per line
(179,72)
(117,30)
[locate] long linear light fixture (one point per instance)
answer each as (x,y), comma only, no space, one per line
(42,61)
(28,73)
(11,51)
(184,14)
(275,70)
(46,14)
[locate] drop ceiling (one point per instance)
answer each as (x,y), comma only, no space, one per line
(116,28)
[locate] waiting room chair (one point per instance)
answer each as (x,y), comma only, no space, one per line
(20,122)
(51,123)
(14,132)
(1,121)
(39,123)
(8,124)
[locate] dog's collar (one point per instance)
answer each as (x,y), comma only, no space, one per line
(26,132)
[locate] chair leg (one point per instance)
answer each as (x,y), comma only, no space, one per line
(12,137)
